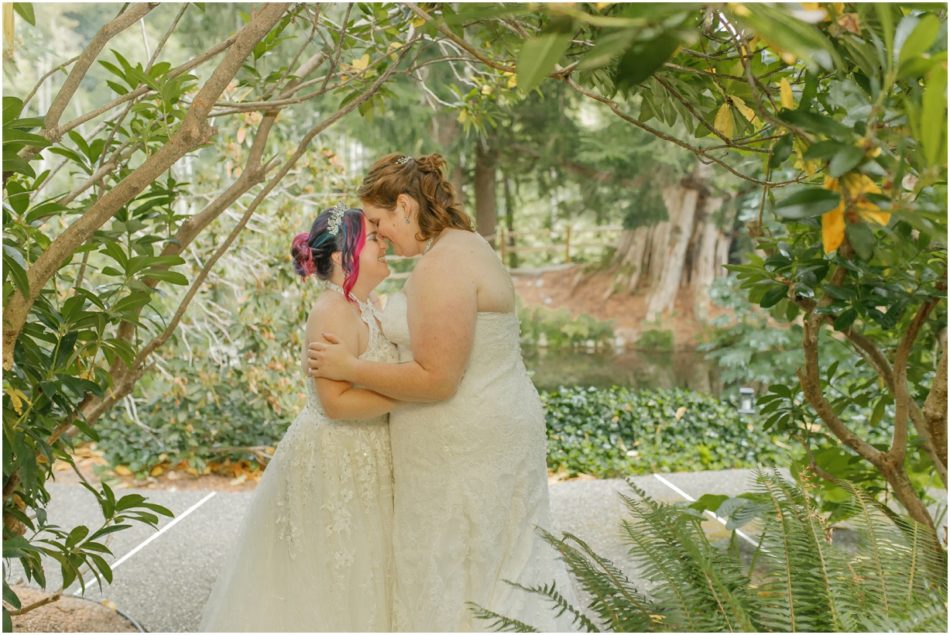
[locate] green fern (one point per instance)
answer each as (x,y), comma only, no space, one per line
(798,579)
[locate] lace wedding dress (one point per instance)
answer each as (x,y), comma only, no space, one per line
(470,487)
(315,549)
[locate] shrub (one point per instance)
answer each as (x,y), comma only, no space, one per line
(618,431)
(799,577)
(557,328)
(655,340)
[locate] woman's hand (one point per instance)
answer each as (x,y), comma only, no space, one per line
(329,359)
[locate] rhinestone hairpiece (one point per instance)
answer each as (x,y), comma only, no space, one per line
(403,160)
(336,217)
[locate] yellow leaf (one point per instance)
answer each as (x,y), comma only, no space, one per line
(487,89)
(17,397)
(512,81)
(871,212)
(740,10)
(417,22)
(747,112)
(855,185)
(463,116)
(788,101)
(680,412)
(361,64)
(241,134)
(724,123)
(832,228)
(121,470)
(158,470)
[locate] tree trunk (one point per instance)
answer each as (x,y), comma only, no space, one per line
(680,230)
(510,222)
(445,130)
(486,203)
(687,250)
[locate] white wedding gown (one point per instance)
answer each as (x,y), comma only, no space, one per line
(470,487)
(315,549)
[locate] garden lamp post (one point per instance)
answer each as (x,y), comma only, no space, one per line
(746,400)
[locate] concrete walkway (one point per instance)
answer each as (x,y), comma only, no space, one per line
(162,579)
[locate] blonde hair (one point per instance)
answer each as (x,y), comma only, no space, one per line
(423,179)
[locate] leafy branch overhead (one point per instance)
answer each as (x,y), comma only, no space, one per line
(837,114)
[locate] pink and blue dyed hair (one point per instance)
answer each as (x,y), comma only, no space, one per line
(311,252)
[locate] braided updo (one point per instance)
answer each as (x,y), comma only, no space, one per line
(311,252)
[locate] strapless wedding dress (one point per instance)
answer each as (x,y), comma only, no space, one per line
(315,549)
(470,487)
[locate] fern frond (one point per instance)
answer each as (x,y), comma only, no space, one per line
(560,604)
(924,617)
(500,623)
(613,596)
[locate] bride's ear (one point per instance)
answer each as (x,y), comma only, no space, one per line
(337,258)
(405,204)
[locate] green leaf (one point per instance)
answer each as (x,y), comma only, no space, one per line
(773,296)
(861,238)
(172,277)
(878,413)
(10,597)
(914,36)
(845,159)
(823,149)
(816,123)
(918,66)
(606,49)
(709,501)
(77,534)
(933,115)
(885,15)
(118,88)
(538,57)
(25,11)
(781,151)
(807,203)
(12,107)
(643,59)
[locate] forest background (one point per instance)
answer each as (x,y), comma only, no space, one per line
(157,158)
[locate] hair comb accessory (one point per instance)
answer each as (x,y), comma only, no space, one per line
(336,218)
(403,160)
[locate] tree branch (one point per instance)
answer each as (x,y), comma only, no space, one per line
(95,407)
(935,409)
(86,59)
(193,131)
(141,90)
(902,396)
(811,387)
(701,152)
(45,76)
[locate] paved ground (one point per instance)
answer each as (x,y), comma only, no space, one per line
(163,578)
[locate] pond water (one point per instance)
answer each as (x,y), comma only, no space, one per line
(683,368)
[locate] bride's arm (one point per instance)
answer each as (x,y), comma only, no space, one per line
(340,400)
(442,311)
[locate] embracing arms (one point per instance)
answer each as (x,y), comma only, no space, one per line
(340,400)
(442,310)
